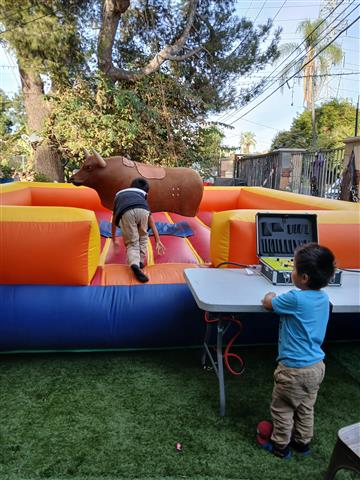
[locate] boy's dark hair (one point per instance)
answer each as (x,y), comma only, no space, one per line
(317,262)
(140,183)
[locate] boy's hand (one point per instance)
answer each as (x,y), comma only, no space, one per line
(116,244)
(160,248)
(266,301)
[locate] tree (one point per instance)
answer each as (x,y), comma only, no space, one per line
(313,62)
(5,120)
(201,45)
(44,38)
(207,150)
(11,123)
(247,140)
(335,121)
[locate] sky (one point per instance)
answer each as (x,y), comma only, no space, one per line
(277,112)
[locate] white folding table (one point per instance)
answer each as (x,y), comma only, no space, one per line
(224,290)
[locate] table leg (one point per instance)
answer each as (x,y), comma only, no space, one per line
(205,349)
(220,367)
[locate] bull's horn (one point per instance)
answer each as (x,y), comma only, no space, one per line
(86,152)
(99,158)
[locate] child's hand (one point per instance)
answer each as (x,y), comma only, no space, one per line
(116,245)
(160,248)
(266,301)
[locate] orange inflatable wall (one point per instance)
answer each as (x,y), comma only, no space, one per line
(48,245)
(49,194)
(233,236)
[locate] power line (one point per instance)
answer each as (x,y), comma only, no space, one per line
(26,23)
(16,11)
(271,81)
(289,6)
(290,54)
(313,76)
(253,21)
(326,46)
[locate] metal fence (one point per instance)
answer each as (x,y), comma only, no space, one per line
(312,173)
(318,174)
(261,170)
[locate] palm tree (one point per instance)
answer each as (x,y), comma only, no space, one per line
(312,62)
(247,140)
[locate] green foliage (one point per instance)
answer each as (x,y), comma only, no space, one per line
(45,36)
(335,121)
(156,119)
(152,121)
(230,47)
(207,150)
(6,171)
(247,139)
(5,117)
(11,127)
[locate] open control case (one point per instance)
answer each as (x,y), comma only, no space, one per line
(277,236)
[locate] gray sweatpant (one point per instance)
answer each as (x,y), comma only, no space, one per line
(134,225)
(293,399)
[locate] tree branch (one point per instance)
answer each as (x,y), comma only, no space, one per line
(112,11)
(179,58)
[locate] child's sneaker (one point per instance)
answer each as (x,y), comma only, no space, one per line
(302,448)
(263,434)
(139,274)
(284,453)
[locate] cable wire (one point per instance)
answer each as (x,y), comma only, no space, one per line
(228,115)
(283,83)
(26,23)
(272,81)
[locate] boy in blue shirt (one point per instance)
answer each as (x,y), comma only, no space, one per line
(304,315)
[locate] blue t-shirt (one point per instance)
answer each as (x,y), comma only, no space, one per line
(304,315)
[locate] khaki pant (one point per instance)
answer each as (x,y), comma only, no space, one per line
(134,225)
(293,399)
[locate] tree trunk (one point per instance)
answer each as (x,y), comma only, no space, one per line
(46,160)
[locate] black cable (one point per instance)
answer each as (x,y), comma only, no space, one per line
(16,11)
(253,21)
(271,81)
(291,53)
(26,23)
(236,264)
(311,60)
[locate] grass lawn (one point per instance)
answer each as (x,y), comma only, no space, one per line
(119,415)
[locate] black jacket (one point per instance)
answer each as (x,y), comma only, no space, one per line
(128,199)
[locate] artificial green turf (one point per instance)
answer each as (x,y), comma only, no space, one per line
(119,416)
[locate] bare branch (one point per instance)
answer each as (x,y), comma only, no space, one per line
(179,58)
(112,11)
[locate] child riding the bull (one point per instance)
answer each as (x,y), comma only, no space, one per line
(131,213)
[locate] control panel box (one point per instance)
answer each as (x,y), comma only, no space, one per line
(277,237)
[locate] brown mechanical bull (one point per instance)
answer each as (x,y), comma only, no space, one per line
(177,190)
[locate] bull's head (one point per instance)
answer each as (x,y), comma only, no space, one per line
(88,172)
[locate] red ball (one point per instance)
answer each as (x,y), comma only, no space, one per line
(263,432)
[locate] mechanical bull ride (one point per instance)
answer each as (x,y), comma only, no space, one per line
(177,190)
(64,287)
